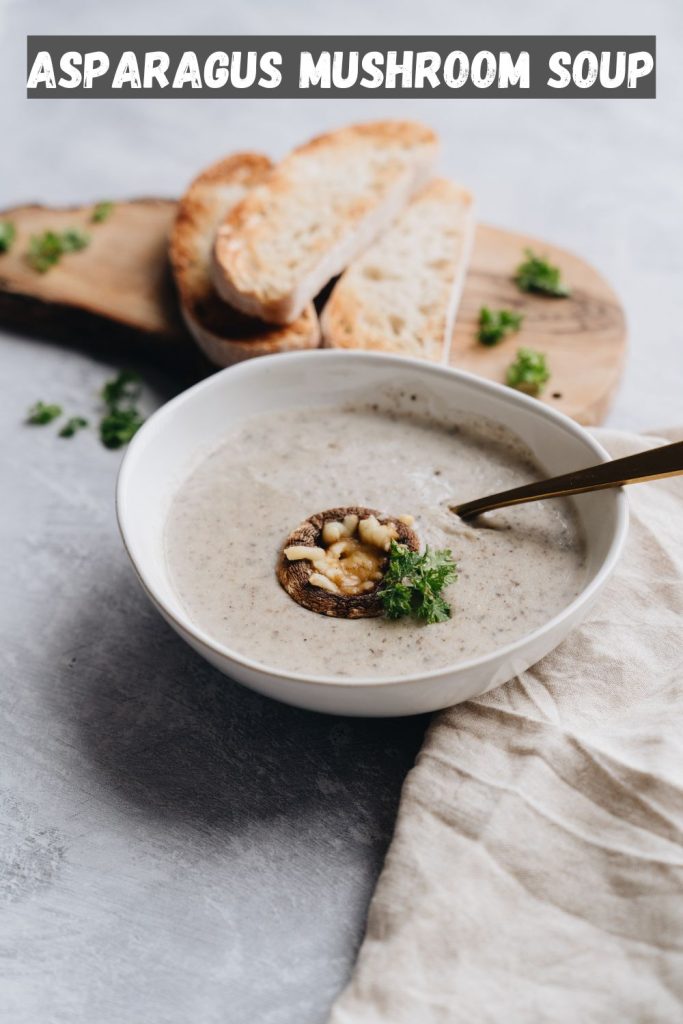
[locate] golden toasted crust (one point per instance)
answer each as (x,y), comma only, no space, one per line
(315,211)
(198,208)
(226,335)
(404,133)
(294,576)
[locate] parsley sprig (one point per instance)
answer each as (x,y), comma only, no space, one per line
(123,418)
(41,413)
(119,427)
(124,389)
(535,274)
(73,425)
(529,372)
(47,249)
(7,235)
(101,211)
(494,325)
(413,583)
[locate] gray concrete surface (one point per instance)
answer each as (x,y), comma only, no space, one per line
(172,847)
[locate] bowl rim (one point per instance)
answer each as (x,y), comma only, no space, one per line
(533,407)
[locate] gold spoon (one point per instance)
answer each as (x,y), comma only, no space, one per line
(650,465)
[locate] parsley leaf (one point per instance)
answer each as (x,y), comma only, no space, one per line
(7,234)
(47,249)
(122,419)
(413,583)
(72,425)
(494,326)
(44,251)
(125,388)
(119,426)
(535,274)
(40,414)
(101,211)
(74,240)
(529,372)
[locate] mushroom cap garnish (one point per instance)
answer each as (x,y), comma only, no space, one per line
(295,569)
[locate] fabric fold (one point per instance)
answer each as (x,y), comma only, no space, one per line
(536,870)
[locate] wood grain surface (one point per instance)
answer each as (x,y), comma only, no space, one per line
(118,291)
(583,336)
(119,285)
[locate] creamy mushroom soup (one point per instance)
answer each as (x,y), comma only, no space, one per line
(517,567)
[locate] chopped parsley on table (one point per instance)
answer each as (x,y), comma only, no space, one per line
(122,419)
(72,426)
(413,584)
(494,325)
(119,426)
(124,388)
(41,414)
(535,274)
(529,372)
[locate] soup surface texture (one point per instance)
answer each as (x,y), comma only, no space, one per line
(397,454)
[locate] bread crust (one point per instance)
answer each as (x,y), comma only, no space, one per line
(330,198)
(294,576)
(226,335)
(379,302)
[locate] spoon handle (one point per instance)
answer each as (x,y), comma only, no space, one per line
(667,460)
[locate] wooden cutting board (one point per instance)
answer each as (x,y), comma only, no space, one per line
(583,336)
(117,293)
(119,287)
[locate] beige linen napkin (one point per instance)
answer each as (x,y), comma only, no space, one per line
(536,871)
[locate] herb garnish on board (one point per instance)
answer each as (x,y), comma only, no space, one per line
(529,372)
(494,325)
(47,249)
(7,234)
(101,211)
(535,274)
(413,583)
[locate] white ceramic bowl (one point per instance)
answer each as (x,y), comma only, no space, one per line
(168,445)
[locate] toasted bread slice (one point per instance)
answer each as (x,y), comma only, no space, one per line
(224,334)
(118,289)
(315,212)
(402,294)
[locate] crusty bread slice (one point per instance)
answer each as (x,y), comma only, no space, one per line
(402,294)
(224,334)
(315,212)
